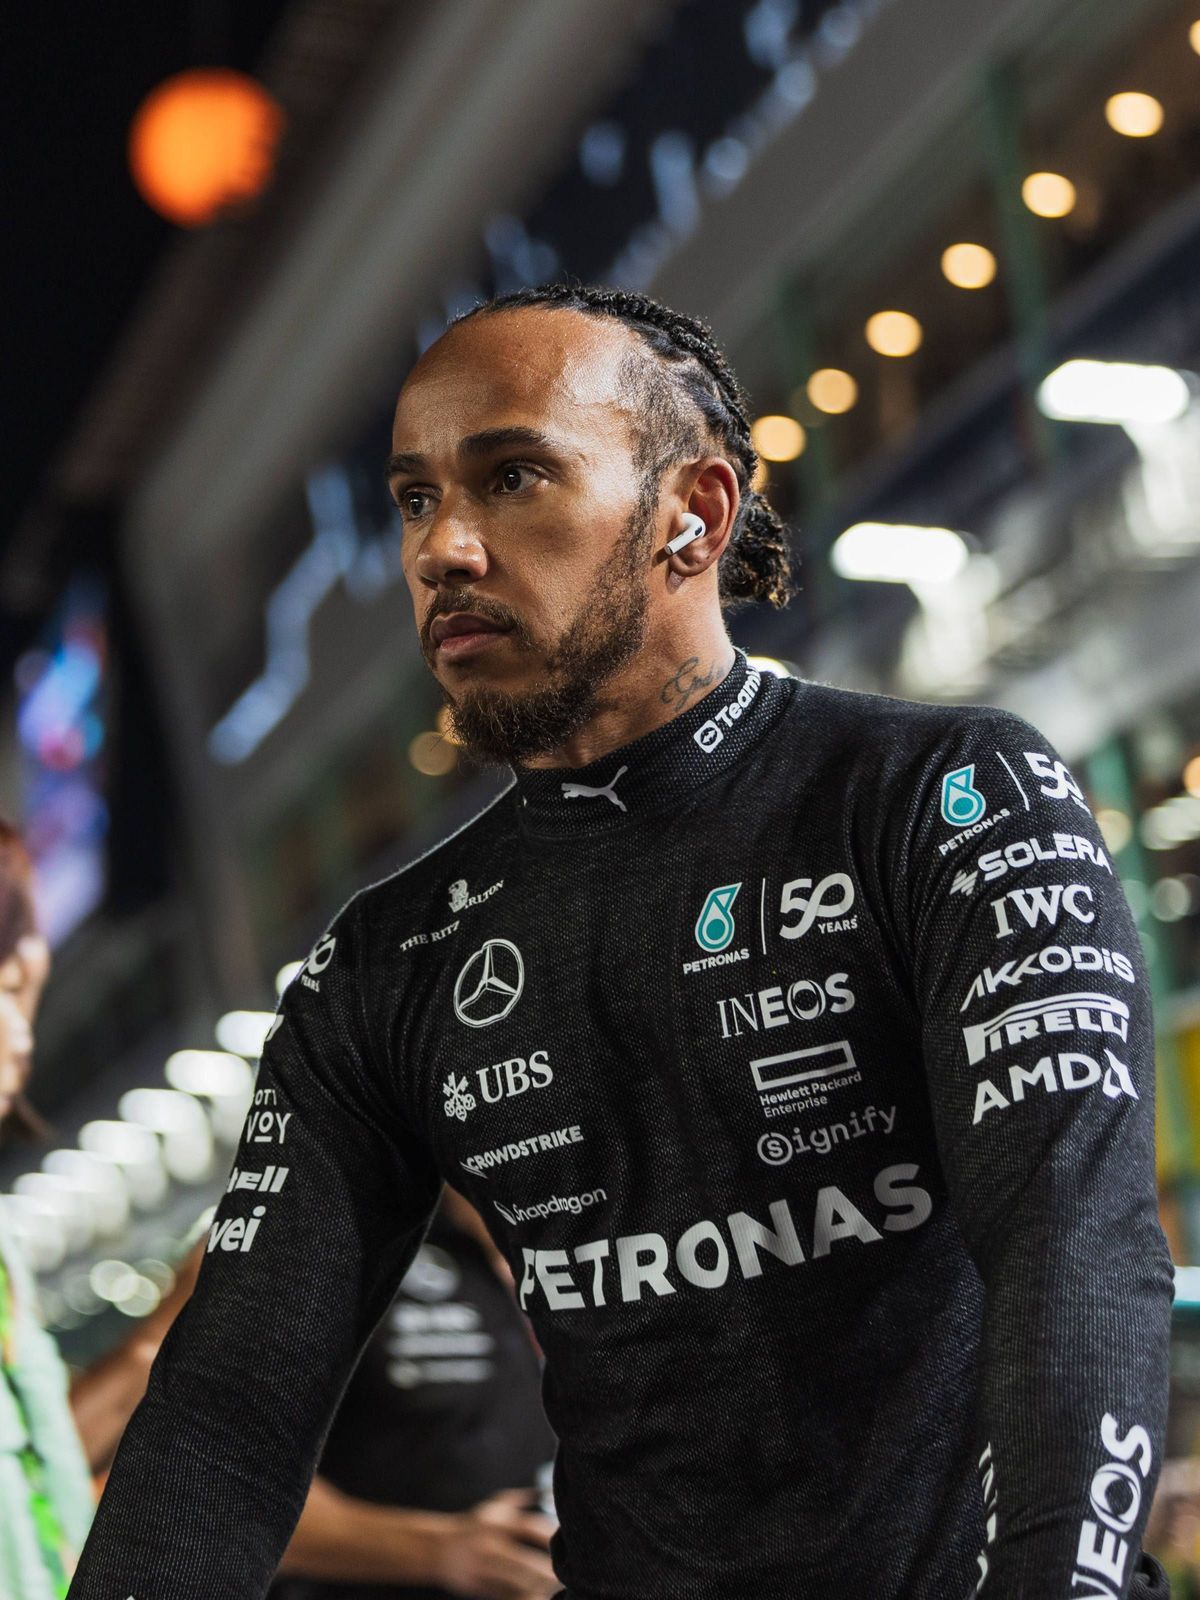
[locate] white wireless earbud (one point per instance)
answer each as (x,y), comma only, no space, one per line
(693,527)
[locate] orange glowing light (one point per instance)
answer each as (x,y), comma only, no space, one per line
(1137,116)
(894,333)
(202,141)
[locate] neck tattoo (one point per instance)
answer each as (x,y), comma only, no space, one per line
(686,681)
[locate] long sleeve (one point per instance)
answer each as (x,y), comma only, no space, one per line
(1039,1054)
(327,1203)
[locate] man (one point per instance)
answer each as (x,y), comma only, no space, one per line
(794,1043)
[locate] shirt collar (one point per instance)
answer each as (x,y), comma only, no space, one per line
(659,771)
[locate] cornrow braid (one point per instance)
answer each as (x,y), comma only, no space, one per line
(687,396)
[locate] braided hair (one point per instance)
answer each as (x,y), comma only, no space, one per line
(686,396)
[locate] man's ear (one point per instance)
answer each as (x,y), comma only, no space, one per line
(711,499)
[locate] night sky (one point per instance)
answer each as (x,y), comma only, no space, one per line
(79,241)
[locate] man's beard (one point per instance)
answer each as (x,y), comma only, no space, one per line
(496,727)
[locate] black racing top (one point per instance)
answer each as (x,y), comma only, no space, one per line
(799,1056)
(444,1408)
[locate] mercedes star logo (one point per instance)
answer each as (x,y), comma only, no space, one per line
(490,984)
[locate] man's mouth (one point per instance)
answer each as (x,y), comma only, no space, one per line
(461,632)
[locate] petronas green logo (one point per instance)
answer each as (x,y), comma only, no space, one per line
(714,925)
(962,803)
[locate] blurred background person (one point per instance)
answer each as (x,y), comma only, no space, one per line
(1174,1528)
(435,1475)
(45,1488)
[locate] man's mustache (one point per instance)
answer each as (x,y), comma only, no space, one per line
(447,601)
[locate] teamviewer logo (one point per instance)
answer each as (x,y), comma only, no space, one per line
(708,736)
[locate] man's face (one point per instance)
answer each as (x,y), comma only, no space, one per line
(526,534)
(22,978)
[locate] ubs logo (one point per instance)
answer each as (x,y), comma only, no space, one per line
(490,984)
(497,1082)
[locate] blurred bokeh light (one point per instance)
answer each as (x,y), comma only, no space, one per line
(777,438)
(894,333)
(1137,116)
(202,141)
(833,391)
(1049,194)
(432,755)
(968,266)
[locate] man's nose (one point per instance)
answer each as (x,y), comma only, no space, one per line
(452,550)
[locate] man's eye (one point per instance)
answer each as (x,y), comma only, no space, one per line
(412,503)
(512,478)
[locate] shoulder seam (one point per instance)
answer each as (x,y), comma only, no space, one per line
(439,846)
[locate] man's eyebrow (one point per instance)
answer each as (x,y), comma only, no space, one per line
(475,445)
